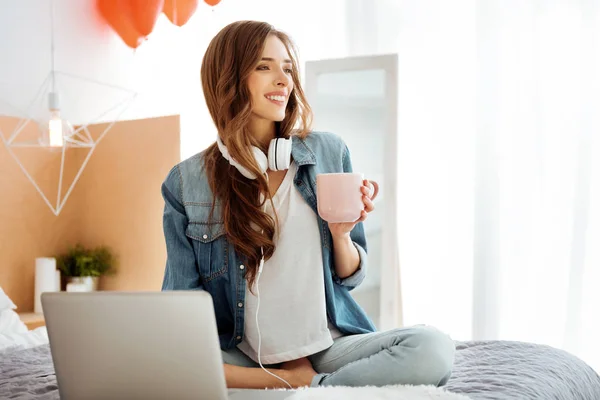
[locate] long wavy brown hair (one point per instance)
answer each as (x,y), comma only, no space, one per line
(228,62)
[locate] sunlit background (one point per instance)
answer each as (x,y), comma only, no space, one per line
(495,213)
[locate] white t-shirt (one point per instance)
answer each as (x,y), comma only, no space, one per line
(292,315)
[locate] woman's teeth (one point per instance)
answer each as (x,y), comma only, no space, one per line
(276,98)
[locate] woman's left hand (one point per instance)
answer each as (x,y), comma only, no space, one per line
(369,191)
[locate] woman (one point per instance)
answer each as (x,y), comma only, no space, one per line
(243,212)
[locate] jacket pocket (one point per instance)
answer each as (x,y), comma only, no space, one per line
(210,246)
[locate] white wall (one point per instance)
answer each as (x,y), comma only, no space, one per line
(164,70)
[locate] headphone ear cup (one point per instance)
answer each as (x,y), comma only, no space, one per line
(280,151)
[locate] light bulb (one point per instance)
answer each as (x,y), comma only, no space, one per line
(55,129)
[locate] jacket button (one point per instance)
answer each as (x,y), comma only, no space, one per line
(239,338)
(240,305)
(241,267)
(205,236)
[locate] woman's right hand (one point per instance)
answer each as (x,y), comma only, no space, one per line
(300,372)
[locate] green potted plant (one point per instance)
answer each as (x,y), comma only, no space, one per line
(84,266)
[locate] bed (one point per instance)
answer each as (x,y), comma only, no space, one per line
(483,370)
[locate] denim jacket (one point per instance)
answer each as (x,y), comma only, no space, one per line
(199,256)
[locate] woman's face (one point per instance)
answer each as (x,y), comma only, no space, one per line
(271,83)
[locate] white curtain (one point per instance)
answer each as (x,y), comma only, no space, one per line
(499,165)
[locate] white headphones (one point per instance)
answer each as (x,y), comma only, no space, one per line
(280,150)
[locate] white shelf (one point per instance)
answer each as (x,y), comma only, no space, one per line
(357,99)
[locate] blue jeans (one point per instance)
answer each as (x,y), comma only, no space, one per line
(417,355)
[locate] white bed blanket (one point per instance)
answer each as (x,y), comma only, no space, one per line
(396,392)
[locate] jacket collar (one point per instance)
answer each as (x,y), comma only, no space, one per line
(301,152)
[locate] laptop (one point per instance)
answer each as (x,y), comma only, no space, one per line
(138,345)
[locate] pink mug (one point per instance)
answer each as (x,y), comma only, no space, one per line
(339,198)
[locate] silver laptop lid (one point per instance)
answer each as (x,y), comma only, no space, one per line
(135,345)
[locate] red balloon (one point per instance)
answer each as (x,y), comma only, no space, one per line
(119,19)
(179,12)
(144,13)
(212,2)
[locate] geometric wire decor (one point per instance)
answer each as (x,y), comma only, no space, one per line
(74,136)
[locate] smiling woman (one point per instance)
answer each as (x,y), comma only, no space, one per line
(244,212)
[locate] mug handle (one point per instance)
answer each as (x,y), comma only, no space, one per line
(375,188)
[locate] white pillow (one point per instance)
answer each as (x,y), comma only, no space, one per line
(22,341)
(10,323)
(5,302)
